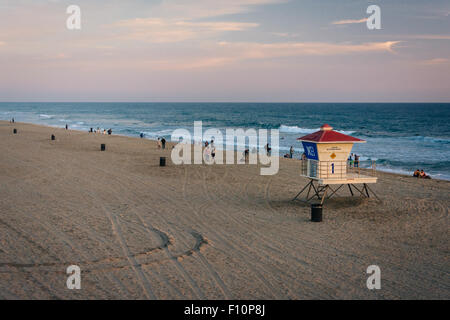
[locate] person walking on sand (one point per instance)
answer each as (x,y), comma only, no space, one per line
(268,149)
(213,150)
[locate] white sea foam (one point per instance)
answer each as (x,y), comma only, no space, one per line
(295,129)
(46,116)
(427,139)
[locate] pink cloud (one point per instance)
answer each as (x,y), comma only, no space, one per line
(349,21)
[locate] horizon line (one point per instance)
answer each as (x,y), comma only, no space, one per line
(285,102)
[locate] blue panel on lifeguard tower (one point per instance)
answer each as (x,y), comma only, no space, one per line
(310,150)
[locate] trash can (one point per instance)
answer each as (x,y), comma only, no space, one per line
(53,137)
(162,161)
(316,212)
(15,131)
(103,147)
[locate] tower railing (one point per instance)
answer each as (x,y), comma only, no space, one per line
(337,169)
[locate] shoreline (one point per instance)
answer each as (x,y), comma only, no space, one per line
(171,143)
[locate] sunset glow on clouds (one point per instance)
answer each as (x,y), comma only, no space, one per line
(350,21)
(239,50)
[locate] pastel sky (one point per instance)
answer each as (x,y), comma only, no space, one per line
(225,50)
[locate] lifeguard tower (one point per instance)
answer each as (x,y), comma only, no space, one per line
(328,168)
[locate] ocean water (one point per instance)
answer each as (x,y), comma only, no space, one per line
(400,137)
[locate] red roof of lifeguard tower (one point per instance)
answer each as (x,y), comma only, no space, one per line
(326,135)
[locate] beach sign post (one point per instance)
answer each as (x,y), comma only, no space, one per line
(326,165)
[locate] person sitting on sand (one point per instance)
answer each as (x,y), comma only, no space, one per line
(423,175)
(416,173)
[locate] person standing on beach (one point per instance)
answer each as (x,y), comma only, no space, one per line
(268,149)
(291,152)
(350,160)
(67,127)
(356,164)
(163,143)
(213,151)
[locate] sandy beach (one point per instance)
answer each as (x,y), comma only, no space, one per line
(139,231)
